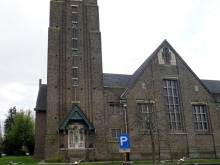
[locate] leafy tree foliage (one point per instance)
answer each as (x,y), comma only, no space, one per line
(21,131)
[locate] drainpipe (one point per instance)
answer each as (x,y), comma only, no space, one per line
(124,104)
(125,117)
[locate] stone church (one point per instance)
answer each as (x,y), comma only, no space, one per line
(80,112)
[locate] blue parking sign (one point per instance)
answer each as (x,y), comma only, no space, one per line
(124,141)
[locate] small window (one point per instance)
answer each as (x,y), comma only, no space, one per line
(74,17)
(146,118)
(144,108)
(74,33)
(74,46)
(74,53)
(75,76)
(74,8)
(74,25)
(115,132)
(75,72)
(114,108)
(75,81)
(200,118)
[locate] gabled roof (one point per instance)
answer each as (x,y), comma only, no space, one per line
(41,103)
(76,114)
(137,74)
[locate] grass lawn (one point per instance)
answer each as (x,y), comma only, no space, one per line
(28,160)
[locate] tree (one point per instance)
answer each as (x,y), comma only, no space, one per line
(21,132)
(143,118)
(147,124)
(147,115)
(9,120)
(9,148)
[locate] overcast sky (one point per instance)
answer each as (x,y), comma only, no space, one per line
(131,31)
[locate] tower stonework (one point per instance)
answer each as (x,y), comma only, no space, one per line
(74,80)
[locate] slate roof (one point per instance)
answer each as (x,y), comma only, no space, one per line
(116,80)
(212,85)
(41,103)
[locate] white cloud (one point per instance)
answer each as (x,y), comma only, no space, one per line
(132,31)
(23,52)
(23,96)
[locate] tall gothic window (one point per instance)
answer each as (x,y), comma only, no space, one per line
(76,137)
(172,105)
(200,117)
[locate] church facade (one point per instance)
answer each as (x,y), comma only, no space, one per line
(80,112)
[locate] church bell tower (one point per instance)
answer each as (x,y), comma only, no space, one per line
(74,115)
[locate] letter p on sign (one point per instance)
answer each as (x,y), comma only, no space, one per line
(124,141)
